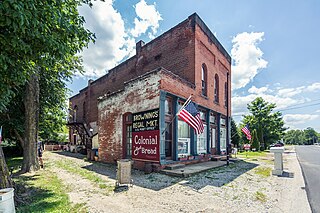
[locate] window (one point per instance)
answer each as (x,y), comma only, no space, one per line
(216,88)
(84,111)
(168,106)
(213,132)
(202,138)
(223,136)
(75,109)
(223,140)
(226,94)
(127,135)
(204,79)
(183,138)
(202,141)
(168,140)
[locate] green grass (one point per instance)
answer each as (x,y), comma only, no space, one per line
(263,171)
(44,192)
(91,176)
(252,155)
(15,162)
(261,196)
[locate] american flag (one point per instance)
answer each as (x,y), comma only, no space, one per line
(191,116)
(246,131)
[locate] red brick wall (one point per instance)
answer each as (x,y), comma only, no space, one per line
(174,50)
(206,52)
(139,95)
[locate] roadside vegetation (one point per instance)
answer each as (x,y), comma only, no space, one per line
(71,167)
(41,191)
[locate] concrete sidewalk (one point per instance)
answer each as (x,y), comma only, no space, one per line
(293,196)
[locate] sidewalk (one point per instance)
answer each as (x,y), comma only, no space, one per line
(293,196)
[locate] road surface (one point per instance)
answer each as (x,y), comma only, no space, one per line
(309,158)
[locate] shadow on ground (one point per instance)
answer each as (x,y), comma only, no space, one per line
(215,177)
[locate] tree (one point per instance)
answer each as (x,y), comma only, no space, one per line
(310,136)
(36,38)
(269,125)
(255,141)
(295,137)
(235,138)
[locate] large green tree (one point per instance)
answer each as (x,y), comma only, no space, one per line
(37,38)
(268,124)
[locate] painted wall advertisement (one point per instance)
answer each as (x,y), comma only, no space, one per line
(145,136)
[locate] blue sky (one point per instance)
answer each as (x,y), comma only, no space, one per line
(274,46)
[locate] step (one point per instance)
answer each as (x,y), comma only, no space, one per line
(175,166)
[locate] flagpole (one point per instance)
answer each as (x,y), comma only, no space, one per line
(187,101)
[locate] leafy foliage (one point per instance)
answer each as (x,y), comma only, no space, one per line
(299,137)
(46,34)
(235,138)
(39,39)
(269,125)
(255,142)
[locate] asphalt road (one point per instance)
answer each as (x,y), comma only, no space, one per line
(309,158)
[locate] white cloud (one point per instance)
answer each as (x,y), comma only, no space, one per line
(313,87)
(256,90)
(148,17)
(292,120)
(290,92)
(239,103)
(114,42)
(247,58)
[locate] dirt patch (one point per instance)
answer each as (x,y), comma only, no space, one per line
(241,187)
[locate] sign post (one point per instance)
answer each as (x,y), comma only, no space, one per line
(246,147)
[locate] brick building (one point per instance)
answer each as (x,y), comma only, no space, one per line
(130,112)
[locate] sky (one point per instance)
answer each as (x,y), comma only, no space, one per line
(274,47)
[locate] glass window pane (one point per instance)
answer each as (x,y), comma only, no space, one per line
(183,129)
(223,140)
(202,141)
(168,106)
(213,137)
(212,119)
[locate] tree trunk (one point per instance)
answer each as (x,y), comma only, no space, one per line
(30,161)
(5,179)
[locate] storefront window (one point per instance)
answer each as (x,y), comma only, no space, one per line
(212,118)
(202,141)
(183,138)
(168,106)
(223,140)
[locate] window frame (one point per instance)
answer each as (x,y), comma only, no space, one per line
(216,88)
(204,82)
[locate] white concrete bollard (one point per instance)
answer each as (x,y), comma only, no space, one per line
(7,201)
(278,160)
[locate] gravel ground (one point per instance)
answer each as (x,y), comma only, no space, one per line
(237,188)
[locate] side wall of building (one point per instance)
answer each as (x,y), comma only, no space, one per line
(173,50)
(138,95)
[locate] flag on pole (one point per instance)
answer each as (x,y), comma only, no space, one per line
(190,114)
(246,131)
(0,134)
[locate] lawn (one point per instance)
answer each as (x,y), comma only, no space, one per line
(41,191)
(252,155)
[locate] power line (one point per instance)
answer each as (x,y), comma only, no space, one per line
(285,109)
(293,107)
(298,104)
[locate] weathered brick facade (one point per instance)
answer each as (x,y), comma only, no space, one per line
(171,64)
